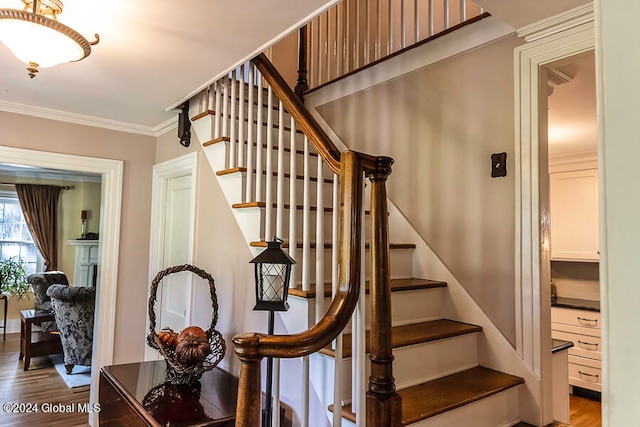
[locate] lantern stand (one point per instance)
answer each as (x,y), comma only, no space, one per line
(272,275)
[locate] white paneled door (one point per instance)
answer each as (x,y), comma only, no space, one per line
(171,244)
(176,287)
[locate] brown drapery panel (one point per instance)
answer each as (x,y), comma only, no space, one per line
(39,205)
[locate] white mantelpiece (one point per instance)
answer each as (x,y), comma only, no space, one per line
(85,272)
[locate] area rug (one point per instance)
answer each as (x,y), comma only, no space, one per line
(80,376)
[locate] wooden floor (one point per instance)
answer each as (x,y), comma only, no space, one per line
(40,385)
(583,413)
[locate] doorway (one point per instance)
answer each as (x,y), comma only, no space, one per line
(111,196)
(572,167)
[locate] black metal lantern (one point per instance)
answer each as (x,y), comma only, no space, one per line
(273,272)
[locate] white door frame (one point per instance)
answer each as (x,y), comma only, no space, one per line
(111,196)
(162,172)
(553,39)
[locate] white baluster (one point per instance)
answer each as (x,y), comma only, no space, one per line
(319,242)
(318,72)
(233,120)
(292,199)
(250,149)
(416,21)
(306,223)
(327,44)
(225,107)
(259,141)
(304,410)
(280,170)
(390,27)
(431,19)
(275,413)
(403,25)
(356,50)
(241,124)
(359,394)
(337,54)
(211,95)
(347,38)
(268,180)
(446,14)
(463,10)
(337,376)
(378,29)
(367,32)
(218,115)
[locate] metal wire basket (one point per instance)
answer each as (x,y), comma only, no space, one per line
(177,372)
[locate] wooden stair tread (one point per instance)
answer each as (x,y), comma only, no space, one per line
(414,333)
(239,169)
(329,245)
(444,394)
(397,285)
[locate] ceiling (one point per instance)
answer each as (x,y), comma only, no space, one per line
(151,56)
(572,108)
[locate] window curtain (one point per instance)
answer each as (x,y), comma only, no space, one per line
(39,205)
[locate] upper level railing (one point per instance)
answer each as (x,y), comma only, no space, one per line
(356,33)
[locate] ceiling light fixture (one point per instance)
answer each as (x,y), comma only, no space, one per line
(36,37)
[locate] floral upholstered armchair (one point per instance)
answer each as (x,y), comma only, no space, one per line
(73,309)
(40,282)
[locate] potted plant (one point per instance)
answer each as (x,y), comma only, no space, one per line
(13,277)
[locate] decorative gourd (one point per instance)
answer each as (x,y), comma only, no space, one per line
(192,345)
(168,338)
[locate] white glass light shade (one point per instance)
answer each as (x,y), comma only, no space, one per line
(32,42)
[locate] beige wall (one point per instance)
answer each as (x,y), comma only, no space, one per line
(441,124)
(138,154)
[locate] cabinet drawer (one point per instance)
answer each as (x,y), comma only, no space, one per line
(585,373)
(582,318)
(583,345)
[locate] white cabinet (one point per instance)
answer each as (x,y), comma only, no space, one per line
(85,272)
(582,327)
(574,215)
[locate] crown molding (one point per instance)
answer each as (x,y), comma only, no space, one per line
(166,126)
(557,23)
(81,119)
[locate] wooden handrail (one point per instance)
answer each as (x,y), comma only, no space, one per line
(309,126)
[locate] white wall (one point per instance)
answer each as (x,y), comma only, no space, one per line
(441,124)
(617,71)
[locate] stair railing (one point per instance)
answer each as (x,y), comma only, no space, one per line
(251,140)
(356,33)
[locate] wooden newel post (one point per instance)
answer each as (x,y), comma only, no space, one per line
(384,405)
(302,83)
(249,388)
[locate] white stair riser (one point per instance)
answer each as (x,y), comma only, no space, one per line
(400,259)
(406,307)
(500,410)
(423,362)
(411,307)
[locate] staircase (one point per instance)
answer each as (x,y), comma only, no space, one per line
(277,184)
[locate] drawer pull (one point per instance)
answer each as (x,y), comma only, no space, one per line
(585,374)
(588,322)
(591,344)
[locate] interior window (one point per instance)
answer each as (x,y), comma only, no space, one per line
(15,238)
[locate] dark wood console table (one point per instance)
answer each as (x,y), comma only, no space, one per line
(135,395)
(46,343)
